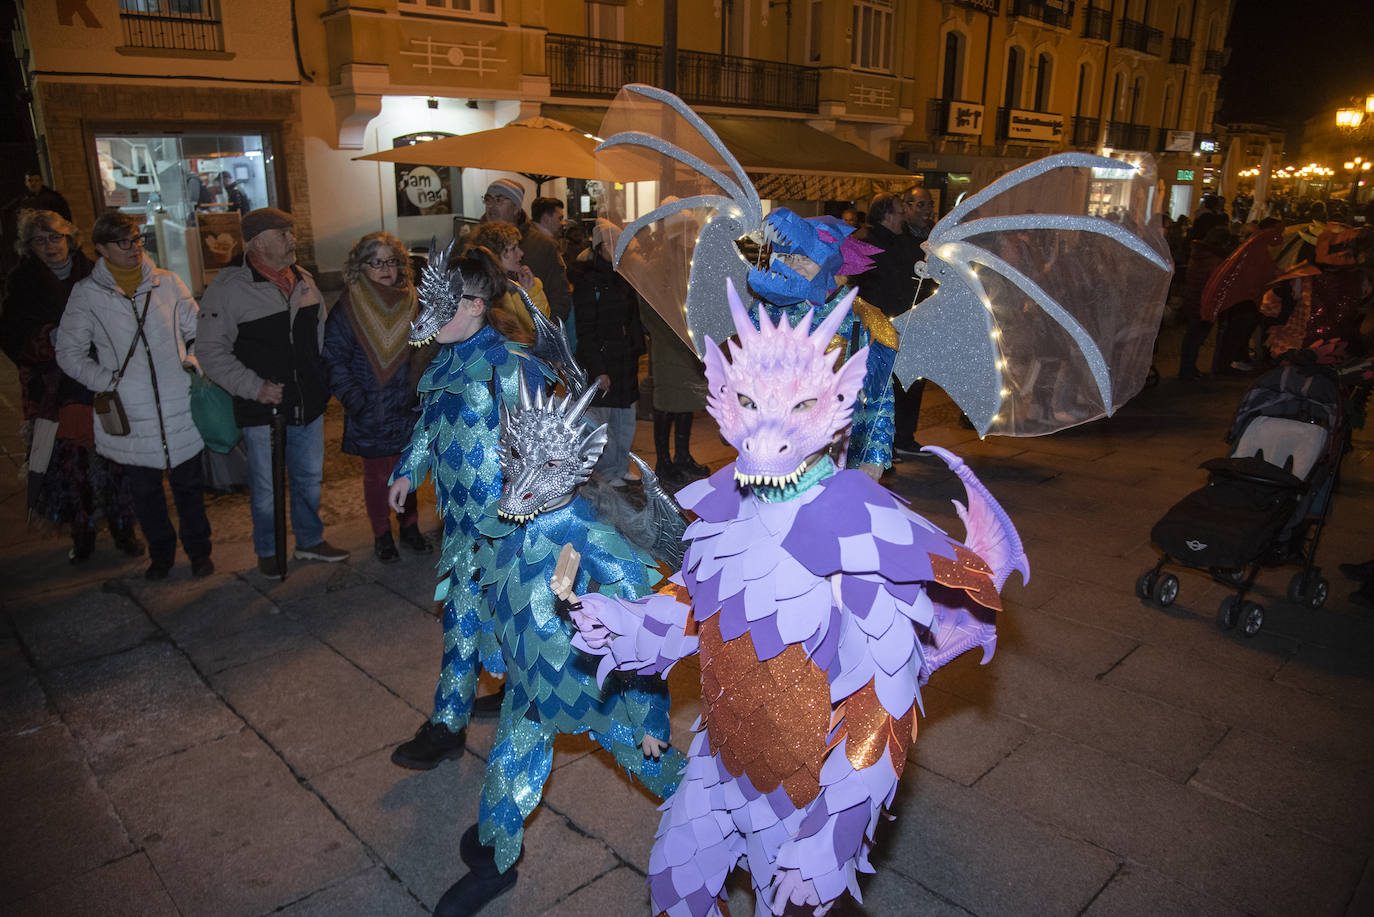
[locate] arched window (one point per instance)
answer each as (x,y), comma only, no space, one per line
(1137,100)
(952,74)
(1204,113)
(1080,106)
(1016,63)
(1114,112)
(1044,73)
(1168,98)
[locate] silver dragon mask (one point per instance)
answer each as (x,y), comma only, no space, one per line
(440,291)
(546,451)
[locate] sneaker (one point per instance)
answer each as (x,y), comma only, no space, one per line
(158,570)
(433,743)
(415,541)
(691,468)
(323,551)
(267,566)
(202,567)
(385,549)
(910,449)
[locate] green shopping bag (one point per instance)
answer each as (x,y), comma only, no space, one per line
(212,408)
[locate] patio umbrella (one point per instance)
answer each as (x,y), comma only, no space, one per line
(540,149)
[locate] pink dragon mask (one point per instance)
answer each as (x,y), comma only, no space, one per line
(779,399)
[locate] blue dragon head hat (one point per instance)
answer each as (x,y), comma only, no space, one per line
(806,255)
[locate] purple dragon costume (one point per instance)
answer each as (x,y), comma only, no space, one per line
(818,604)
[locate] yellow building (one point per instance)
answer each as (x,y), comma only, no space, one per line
(147,104)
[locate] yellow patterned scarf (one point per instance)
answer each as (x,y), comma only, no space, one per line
(381,323)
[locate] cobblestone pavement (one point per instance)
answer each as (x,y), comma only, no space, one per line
(220,747)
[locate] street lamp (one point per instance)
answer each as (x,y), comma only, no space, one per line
(1356,121)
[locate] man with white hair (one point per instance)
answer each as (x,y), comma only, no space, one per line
(504,201)
(259,337)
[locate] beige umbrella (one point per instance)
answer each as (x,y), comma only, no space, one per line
(541,149)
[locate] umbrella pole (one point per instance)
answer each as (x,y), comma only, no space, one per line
(279,487)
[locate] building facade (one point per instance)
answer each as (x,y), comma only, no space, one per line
(159,105)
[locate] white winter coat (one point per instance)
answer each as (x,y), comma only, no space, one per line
(156,389)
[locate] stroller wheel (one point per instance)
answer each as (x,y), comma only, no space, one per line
(1145,586)
(1228,614)
(1165,590)
(1308,589)
(1251,618)
(1231,576)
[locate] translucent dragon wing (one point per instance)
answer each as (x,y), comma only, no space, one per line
(1052,284)
(678,245)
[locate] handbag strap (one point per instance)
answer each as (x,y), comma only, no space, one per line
(138,333)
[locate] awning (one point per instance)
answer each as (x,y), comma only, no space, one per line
(786,160)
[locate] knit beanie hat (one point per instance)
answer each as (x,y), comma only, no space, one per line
(509,189)
(264,218)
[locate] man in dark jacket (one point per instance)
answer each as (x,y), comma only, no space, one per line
(891,286)
(260,335)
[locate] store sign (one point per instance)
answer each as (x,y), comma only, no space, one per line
(1185,175)
(991,7)
(1179,142)
(964,118)
(425,190)
(1033,125)
(1207,146)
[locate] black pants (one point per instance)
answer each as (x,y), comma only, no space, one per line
(150,506)
(906,411)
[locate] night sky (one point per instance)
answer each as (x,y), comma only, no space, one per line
(1289,61)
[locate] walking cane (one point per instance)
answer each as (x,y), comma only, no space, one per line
(279,487)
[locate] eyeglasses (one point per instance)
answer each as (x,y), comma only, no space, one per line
(378,263)
(493,198)
(920,203)
(47,238)
(126,244)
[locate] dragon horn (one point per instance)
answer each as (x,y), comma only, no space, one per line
(826,329)
(743,326)
(574,416)
(525,402)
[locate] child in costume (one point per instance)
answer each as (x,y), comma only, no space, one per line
(475,371)
(818,604)
(546,452)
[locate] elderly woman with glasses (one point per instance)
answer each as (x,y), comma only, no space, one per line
(128,329)
(373,373)
(71,483)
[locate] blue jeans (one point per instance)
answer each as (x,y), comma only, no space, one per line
(304,471)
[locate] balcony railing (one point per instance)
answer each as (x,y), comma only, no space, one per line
(1098,24)
(1122,135)
(164,24)
(1137,36)
(596,66)
(715,79)
(1180,50)
(1085,131)
(599,67)
(1213,61)
(1039,10)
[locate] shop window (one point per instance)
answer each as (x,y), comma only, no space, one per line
(183,25)
(192,190)
(871,35)
(485,9)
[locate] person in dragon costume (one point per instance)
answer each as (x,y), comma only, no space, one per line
(547,452)
(800,279)
(818,604)
(474,372)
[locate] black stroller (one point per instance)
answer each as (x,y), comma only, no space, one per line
(1266,503)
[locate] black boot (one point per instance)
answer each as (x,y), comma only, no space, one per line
(480,886)
(663,423)
(432,744)
(682,439)
(414,540)
(83,545)
(488,706)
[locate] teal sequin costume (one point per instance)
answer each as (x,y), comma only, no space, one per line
(455,438)
(551,688)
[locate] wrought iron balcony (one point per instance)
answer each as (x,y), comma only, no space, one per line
(1098,24)
(1085,131)
(164,25)
(1042,12)
(1180,50)
(1122,135)
(1137,36)
(599,67)
(1213,61)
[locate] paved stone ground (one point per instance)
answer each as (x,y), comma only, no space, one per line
(220,747)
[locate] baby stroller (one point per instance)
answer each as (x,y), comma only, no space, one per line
(1264,504)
